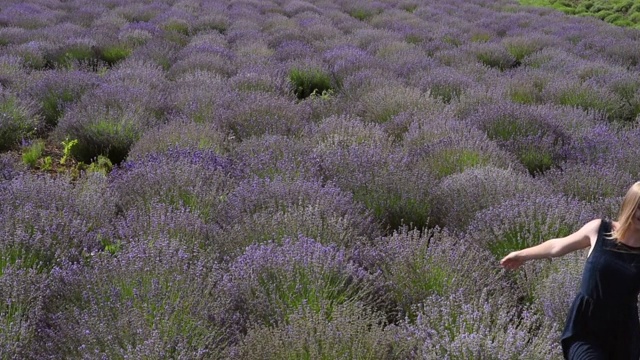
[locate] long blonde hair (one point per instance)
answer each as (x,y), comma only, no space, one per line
(627,211)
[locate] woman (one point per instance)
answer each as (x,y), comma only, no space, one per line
(603,319)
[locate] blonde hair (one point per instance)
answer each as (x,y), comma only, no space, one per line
(627,211)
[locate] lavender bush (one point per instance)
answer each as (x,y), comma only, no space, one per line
(360,124)
(591,183)
(349,330)
(198,180)
(269,282)
(555,293)
(46,221)
(21,304)
(152,300)
(458,327)
(276,156)
(527,221)
(10,166)
(381,104)
(384,181)
(527,131)
(19,119)
(109,120)
(258,211)
(453,154)
(524,221)
(181,132)
(191,95)
(56,90)
(418,265)
(256,114)
(161,221)
(459,197)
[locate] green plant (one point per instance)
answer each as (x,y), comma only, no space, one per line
(617,12)
(65,57)
(325,95)
(480,37)
(102,165)
(67,147)
(177,26)
(506,129)
(114,54)
(47,163)
(450,161)
(111,247)
(360,14)
(535,160)
(31,156)
(307,81)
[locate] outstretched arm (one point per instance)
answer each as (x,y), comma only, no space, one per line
(580,239)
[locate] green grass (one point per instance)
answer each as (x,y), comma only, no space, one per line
(33,153)
(309,81)
(618,12)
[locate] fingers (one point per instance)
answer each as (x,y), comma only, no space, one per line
(511,262)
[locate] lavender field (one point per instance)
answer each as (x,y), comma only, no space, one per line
(288,179)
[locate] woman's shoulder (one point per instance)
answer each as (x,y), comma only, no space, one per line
(593,228)
(594,225)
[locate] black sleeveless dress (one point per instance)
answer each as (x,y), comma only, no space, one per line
(603,320)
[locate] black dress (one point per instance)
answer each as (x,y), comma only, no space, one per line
(603,320)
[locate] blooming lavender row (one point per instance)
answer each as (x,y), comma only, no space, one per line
(319,179)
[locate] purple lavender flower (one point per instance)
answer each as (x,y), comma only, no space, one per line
(21,303)
(590,182)
(379,176)
(529,132)
(10,166)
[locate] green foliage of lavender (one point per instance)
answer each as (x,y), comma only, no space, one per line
(618,12)
(327,179)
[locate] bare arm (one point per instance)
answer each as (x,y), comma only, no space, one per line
(580,239)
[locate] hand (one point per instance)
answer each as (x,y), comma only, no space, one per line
(512,261)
